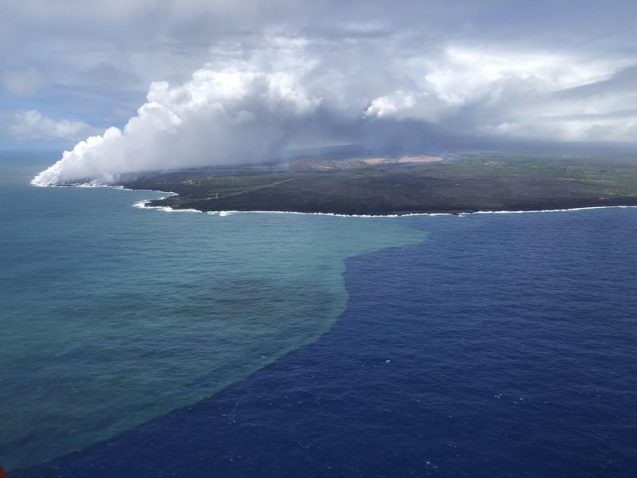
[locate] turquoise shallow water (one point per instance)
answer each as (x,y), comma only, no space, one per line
(112,315)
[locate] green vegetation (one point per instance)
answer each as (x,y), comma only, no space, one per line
(225,186)
(612,176)
(474,182)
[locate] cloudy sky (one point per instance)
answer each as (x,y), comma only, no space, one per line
(166,83)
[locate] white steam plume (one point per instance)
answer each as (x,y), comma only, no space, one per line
(218,117)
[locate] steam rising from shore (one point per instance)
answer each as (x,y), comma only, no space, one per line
(290,94)
(218,117)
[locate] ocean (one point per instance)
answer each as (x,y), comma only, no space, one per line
(142,343)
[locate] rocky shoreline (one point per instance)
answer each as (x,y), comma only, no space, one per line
(465,186)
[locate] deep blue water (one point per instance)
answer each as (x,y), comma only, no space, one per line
(502,345)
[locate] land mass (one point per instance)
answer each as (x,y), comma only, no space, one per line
(407,185)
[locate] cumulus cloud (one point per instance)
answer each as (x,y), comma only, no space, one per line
(32,124)
(255,102)
(531,95)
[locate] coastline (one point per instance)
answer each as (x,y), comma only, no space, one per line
(146,204)
(475,184)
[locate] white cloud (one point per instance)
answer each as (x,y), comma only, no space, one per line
(32,124)
(98,57)
(466,75)
(601,130)
(515,95)
(252,104)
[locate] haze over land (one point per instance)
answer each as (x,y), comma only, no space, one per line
(146,86)
(407,185)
